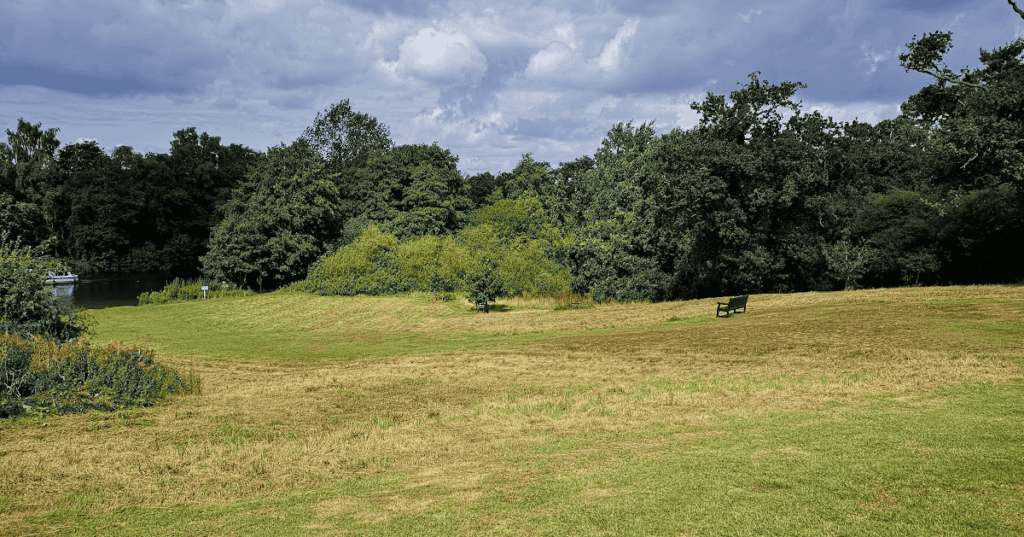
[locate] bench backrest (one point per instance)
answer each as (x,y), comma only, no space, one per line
(738,301)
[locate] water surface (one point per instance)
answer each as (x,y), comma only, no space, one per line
(99,291)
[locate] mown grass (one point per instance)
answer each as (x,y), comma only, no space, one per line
(887,412)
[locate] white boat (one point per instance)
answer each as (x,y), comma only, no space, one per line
(63,284)
(60,279)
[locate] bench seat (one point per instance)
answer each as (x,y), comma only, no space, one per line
(732,306)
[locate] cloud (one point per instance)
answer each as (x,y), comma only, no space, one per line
(489,80)
(61,78)
(553,60)
(613,53)
(439,57)
(560,128)
(409,8)
(873,58)
(564,62)
(747,15)
(926,5)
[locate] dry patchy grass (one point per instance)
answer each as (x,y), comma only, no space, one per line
(610,383)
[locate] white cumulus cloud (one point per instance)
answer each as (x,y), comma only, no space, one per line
(565,61)
(436,56)
(612,54)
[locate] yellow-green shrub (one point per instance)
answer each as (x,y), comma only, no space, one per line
(477,258)
(366,266)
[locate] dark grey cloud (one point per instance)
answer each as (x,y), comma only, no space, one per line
(490,81)
(407,8)
(927,6)
(95,47)
(61,78)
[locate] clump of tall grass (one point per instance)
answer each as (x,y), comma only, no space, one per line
(555,301)
(181,290)
(41,375)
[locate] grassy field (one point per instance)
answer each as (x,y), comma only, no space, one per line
(875,412)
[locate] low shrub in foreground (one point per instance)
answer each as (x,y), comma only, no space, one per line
(182,290)
(40,375)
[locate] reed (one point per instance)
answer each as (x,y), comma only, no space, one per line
(183,290)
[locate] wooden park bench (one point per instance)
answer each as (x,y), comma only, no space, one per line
(734,303)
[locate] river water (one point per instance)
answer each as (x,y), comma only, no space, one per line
(110,290)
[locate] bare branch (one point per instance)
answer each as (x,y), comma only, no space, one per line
(964,167)
(951,79)
(1017,9)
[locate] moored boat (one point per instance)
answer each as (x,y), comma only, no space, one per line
(63,284)
(60,279)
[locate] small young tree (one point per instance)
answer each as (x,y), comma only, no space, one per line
(848,263)
(486,284)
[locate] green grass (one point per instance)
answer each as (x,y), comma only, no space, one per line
(186,328)
(679,322)
(940,471)
(994,331)
(275,328)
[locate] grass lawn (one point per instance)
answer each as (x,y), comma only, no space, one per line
(874,412)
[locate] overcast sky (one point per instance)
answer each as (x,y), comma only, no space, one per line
(488,80)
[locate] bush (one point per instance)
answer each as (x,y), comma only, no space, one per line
(183,290)
(41,375)
(27,305)
(366,266)
(477,261)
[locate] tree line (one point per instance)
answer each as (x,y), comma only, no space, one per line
(758,197)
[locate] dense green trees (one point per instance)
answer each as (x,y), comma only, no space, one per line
(414,190)
(757,197)
(118,212)
(346,141)
(279,220)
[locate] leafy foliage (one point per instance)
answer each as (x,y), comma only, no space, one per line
(477,261)
(366,266)
(416,190)
(346,141)
(27,306)
(26,160)
(977,132)
(276,223)
(345,138)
